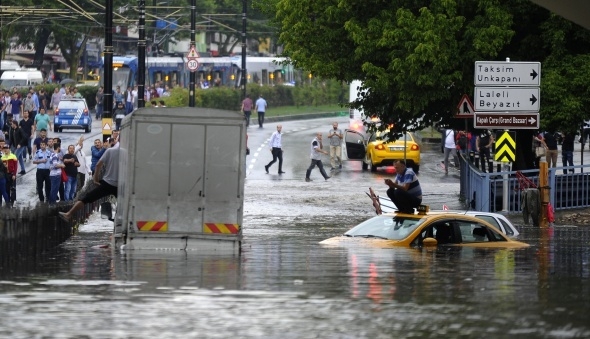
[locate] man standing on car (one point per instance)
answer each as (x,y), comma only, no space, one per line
(335,136)
(405,192)
(261,110)
(276,148)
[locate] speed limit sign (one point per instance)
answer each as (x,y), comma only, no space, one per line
(192,64)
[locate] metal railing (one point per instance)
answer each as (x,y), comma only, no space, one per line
(501,190)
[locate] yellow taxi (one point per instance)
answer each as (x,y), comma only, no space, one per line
(376,150)
(424,230)
(383,152)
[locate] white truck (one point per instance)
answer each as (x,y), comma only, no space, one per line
(20,78)
(181,180)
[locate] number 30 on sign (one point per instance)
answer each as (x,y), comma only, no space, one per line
(192,64)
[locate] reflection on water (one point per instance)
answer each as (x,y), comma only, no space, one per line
(289,286)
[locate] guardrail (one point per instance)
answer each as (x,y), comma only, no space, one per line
(501,191)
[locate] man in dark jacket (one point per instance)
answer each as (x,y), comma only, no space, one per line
(18,141)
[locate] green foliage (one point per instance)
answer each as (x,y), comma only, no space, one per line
(414,57)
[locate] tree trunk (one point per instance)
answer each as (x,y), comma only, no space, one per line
(40,43)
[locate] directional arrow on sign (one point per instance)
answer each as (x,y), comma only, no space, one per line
(533,74)
(506,99)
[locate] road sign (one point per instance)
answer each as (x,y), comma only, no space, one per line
(506,120)
(192,64)
(505,147)
(505,99)
(465,108)
(192,53)
(497,73)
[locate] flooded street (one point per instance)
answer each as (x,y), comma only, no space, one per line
(286,285)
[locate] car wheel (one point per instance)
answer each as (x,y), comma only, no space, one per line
(365,166)
(371,165)
(416,168)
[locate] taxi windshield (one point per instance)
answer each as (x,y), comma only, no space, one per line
(386,226)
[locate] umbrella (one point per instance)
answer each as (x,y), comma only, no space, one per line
(67,81)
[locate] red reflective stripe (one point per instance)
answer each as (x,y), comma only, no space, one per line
(232,228)
(213,228)
(158,225)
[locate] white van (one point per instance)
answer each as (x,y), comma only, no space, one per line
(20,78)
(8,65)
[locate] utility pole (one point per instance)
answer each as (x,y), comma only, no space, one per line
(193,75)
(244,71)
(141,45)
(107,117)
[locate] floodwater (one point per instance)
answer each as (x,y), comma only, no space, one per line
(285,284)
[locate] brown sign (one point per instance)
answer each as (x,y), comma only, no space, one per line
(506,120)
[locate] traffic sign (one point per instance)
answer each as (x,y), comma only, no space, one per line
(497,73)
(506,120)
(192,53)
(192,64)
(505,147)
(465,108)
(505,99)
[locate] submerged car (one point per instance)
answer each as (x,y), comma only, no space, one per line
(420,230)
(72,114)
(376,150)
(495,219)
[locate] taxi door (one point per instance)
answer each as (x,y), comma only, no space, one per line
(354,147)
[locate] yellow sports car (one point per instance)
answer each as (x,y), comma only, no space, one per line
(421,230)
(383,152)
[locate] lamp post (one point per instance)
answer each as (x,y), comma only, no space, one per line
(108,70)
(141,45)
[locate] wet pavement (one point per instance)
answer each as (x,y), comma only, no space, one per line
(285,285)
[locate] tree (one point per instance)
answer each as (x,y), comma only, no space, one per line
(415,58)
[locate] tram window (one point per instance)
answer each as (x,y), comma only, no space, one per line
(265,77)
(174,81)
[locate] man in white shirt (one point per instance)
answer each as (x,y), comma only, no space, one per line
(276,148)
(261,110)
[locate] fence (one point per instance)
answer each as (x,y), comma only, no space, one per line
(26,234)
(501,191)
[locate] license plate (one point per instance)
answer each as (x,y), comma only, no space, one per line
(391,148)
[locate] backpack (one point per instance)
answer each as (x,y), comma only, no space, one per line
(462,142)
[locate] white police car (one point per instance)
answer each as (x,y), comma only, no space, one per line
(72,114)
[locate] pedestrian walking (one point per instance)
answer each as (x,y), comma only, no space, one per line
(247,109)
(450,149)
(335,135)
(316,153)
(276,148)
(18,141)
(27,126)
(42,159)
(261,110)
(99,103)
(42,122)
(567,151)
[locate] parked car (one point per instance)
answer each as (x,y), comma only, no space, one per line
(376,150)
(495,219)
(72,114)
(424,230)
